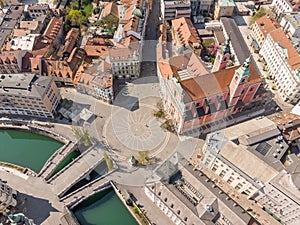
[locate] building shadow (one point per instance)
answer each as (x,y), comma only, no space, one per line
(239,20)
(34,208)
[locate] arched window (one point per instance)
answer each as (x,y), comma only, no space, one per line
(178,212)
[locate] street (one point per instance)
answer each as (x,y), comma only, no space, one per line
(243,24)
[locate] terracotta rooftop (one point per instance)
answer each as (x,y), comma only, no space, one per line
(41,46)
(30,25)
(20,32)
(186,31)
(110,8)
(11,57)
(266,25)
(289,124)
(165,69)
(71,39)
(104,80)
(96,50)
(162,33)
(293,57)
(53,28)
(122,54)
(97,47)
(214,83)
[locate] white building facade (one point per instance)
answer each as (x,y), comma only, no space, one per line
(281,6)
(291,24)
(171,10)
(283,62)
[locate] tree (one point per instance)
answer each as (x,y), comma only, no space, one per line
(76,17)
(143,157)
(96,10)
(259,13)
(109,22)
(82,136)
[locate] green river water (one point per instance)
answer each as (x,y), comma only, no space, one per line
(32,151)
(26,149)
(104,208)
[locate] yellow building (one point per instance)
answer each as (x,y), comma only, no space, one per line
(224,8)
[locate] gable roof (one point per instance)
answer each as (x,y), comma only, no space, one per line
(186,31)
(110,8)
(53,28)
(265,25)
(214,83)
(293,57)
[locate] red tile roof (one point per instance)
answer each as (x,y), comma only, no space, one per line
(266,25)
(293,58)
(186,31)
(53,28)
(214,83)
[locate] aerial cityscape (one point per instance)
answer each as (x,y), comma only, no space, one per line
(148,112)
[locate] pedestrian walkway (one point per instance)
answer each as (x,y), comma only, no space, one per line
(76,170)
(56,159)
(86,191)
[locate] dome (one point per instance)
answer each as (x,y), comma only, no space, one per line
(137,12)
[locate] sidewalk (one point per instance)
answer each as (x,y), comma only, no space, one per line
(245,30)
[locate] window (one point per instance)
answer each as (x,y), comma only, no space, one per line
(238,187)
(222,174)
(178,212)
(215,167)
(229,181)
(251,89)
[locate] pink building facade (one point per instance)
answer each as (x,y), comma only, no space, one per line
(196,99)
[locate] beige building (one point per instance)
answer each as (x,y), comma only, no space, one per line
(27,94)
(125,62)
(247,155)
(188,197)
(224,8)
(7,197)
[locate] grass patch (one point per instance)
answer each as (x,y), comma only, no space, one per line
(140,216)
(73,155)
(108,161)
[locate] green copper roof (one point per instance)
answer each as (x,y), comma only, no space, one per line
(244,70)
(227,3)
(138,12)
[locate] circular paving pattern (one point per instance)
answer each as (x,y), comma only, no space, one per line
(137,130)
